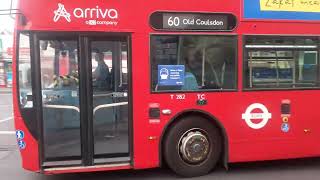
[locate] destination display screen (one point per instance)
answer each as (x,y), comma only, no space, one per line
(174,21)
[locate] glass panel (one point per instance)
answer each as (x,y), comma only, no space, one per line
(110,101)
(281,62)
(60,98)
(2,74)
(124,67)
(307,67)
(271,67)
(25,85)
(190,63)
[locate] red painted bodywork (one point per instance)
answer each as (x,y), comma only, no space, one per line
(245,144)
(30,155)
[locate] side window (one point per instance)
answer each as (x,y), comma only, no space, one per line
(124,66)
(281,62)
(193,63)
(59,64)
(24,68)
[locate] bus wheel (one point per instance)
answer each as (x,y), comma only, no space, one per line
(192,146)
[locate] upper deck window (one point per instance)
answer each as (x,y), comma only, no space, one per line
(193,63)
(281,62)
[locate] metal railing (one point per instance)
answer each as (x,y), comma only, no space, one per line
(62,107)
(78,110)
(108,105)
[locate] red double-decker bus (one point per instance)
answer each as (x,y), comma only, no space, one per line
(109,85)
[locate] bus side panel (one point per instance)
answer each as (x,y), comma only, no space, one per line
(145,145)
(30,153)
(276,144)
(245,143)
(272,142)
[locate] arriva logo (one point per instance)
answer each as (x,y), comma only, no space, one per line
(92,15)
(61,12)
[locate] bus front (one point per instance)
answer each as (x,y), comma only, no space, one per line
(71,86)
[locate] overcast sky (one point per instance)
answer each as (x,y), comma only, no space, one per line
(5,20)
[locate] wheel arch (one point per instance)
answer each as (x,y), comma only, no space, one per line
(225,151)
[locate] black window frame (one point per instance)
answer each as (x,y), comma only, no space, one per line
(18,34)
(82,39)
(236,46)
(244,62)
(27,113)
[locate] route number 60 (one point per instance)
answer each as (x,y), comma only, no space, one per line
(173,21)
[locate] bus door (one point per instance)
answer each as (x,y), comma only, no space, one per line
(84,100)
(109,93)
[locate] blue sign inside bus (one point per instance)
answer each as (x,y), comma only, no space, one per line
(282,9)
(171,75)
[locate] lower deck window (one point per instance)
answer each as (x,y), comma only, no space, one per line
(193,63)
(281,62)
(24,71)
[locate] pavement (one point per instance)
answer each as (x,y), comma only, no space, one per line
(304,169)
(7,137)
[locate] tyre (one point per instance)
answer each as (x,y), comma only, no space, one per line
(192,146)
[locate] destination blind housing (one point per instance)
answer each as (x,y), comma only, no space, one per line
(184,21)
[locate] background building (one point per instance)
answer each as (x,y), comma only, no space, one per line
(6,50)
(6,42)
